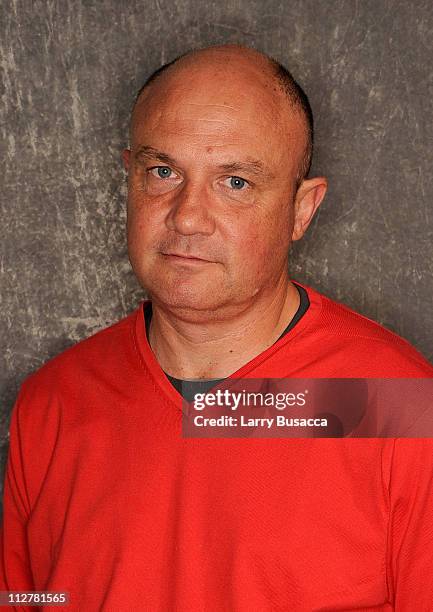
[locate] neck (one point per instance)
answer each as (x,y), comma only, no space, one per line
(216,349)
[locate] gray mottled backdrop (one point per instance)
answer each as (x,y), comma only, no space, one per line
(69,72)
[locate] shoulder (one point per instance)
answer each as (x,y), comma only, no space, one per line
(101,352)
(70,393)
(370,346)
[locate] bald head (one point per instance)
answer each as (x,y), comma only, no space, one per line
(245,68)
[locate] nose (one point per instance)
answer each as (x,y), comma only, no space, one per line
(190,211)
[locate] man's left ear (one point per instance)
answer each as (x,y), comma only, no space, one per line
(126,154)
(307,200)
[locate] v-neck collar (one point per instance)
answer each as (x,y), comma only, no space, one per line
(151,363)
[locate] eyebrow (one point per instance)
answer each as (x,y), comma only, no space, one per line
(146,152)
(252,166)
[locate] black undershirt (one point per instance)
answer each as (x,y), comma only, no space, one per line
(188,388)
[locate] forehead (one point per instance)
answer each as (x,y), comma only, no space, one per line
(222,108)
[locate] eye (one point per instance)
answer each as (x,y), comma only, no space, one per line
(238,183)
(162,172)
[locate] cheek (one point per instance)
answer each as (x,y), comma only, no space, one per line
(144,223)
(260,243)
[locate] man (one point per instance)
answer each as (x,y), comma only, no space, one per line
(105,499)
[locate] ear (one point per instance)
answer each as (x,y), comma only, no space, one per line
(126,155)
(307,200)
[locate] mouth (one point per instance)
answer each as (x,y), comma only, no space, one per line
(188,259)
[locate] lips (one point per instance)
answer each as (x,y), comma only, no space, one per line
(184,256)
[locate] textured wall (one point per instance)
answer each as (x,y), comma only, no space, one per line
(69,71)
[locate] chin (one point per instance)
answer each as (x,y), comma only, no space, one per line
(192,291)
(188,297)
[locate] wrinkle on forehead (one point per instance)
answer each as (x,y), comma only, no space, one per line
(214,105)
(220,94)
(194,124)
(175,114)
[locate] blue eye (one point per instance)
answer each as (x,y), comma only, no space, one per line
(237,183)
(163,171)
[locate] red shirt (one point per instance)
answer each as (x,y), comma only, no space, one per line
(106,500)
